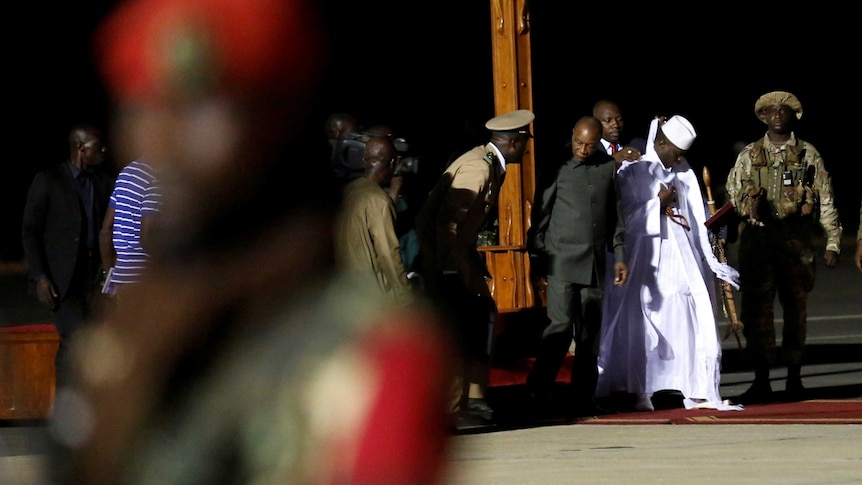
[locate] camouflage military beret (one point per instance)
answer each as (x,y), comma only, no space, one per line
(778,97)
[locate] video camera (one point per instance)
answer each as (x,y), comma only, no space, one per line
(406,163)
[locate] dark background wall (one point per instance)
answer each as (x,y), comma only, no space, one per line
(424,68)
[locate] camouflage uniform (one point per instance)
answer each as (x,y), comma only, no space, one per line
(776,249)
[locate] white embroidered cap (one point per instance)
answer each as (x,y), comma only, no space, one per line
(679,131)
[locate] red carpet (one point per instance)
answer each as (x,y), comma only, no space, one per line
(817,411)
(826,406)
(515,374)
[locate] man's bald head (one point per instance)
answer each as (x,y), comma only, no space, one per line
(380,159)
(590,123)
(603,104)
(339,125)
(585,137)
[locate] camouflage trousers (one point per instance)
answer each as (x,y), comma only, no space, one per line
(773,261)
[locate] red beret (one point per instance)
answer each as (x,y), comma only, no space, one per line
(255,49)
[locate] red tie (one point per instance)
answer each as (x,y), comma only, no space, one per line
(613,148)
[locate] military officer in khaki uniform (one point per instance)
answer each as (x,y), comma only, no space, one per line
(453,271)
(783,193)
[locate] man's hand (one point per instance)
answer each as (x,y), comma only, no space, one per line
(667,195)
(755,194)
(831,258)
(628,154)
(538,265)
(621,273)
(46,293)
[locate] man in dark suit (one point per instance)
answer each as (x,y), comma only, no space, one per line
(575,220)
(62,217)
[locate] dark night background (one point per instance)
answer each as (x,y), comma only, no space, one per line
(424,69)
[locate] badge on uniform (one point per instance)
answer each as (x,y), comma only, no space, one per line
(490,158)
(786,179)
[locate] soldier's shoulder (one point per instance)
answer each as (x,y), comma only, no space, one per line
(472,155)
(745,154)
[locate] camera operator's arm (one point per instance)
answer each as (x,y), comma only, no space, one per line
(395,186)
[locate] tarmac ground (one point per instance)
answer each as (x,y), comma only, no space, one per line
(661,454)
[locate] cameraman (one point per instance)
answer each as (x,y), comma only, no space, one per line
(342,131)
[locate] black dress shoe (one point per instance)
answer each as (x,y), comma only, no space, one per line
(758,393)
(466,420)
(542,406)
(587,407)
(477,414)
(478,407)
(794,391)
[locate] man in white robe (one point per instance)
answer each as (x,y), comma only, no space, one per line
(658,329)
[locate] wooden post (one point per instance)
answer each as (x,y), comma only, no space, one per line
(508,261)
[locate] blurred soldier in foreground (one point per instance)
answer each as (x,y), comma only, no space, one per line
(783,193)
(244,358)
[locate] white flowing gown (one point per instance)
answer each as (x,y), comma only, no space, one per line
(659,329)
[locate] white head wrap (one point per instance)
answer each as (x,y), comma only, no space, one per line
(650,143)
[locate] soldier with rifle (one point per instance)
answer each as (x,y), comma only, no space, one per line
(783,193)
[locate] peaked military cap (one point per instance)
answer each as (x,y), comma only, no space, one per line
(778,97)
(513,122)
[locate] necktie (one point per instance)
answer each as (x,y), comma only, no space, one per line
(613,148)
(85,193)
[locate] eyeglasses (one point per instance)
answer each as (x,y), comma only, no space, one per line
(97,144)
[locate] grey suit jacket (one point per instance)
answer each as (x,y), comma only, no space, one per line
(576,220)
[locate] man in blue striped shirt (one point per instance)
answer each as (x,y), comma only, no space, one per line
(130,215)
